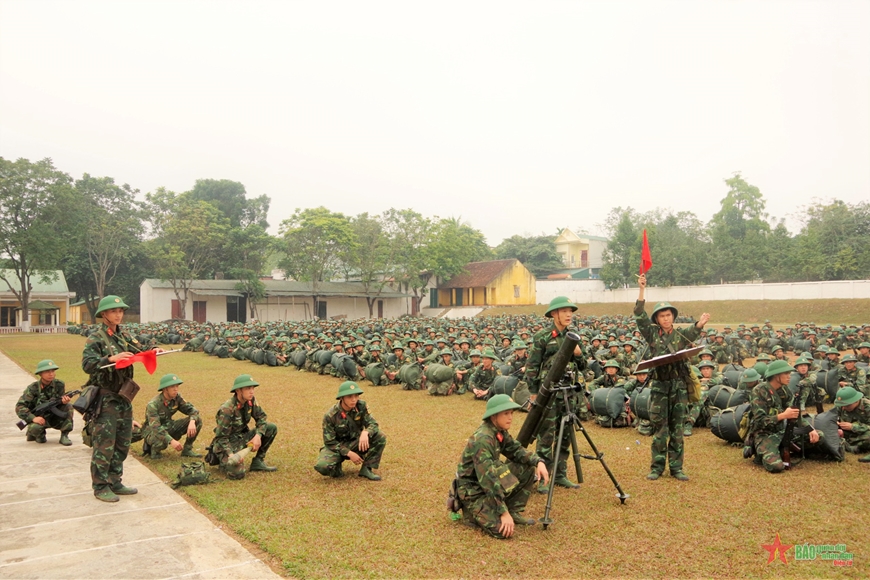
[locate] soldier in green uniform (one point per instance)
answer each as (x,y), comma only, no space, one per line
(669,385)
(483,377)
(232,433)
(517,361)
(851,375)
(854,420)
(545,345)
(863,352)
(112,418)
(161,430)
(350,433)
(46,388)
(444,388)
(610,378)
(494,493)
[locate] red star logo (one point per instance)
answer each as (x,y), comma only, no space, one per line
(775,547)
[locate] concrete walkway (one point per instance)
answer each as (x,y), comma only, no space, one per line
(51,526)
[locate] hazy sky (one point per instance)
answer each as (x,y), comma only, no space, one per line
(519,117)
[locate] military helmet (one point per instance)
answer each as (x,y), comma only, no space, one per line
(847,396)
(45,365)
(446,351)
(864,345)
(706,363)
(474,352)
(244,381)
(374,348)
(489,353)
(760,368)
(663,306)
(803,361)
(849,358)
(557,303)
(168,381)
(520,344)
(763,357)
(498,403)
(750,376)
(611,364)
(348,388)
(778,367)
(110,302)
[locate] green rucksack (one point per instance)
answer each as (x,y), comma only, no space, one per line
(192,473)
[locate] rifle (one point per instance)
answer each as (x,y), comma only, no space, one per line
(50,406)
(791,431)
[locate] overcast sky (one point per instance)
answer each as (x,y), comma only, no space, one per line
(519,117)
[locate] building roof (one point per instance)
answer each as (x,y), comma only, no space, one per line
(278,288)
(478,274)
(568,236)
(52,286)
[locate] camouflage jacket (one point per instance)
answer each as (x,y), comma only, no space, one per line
(232,424)
(858,378)
(516,363)
(159,412)
(34,395)
(661,343)
(480,470)
(606,380)
(765,404)
(545,345)
(99,347)
(341,429)
(483,379)
(858,417)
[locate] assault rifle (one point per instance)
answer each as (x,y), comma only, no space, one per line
(50,406)
(791,431)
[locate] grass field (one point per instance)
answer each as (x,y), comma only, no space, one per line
(779,312)
(313,527)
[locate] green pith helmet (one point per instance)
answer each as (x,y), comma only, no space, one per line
(498,403)
(778,367)
(848,358)
(750,376)
(446,351)
(110,302)
(760,368)
(489,353)
(557,303)
(803,361)
(348,388)
(474,352)
(244,381)
(707,363)
(764,357)
(611,364)
(864,345)
(845,396)
(46,365)
(374,348)
(520,344)
(168,381)
(663,306)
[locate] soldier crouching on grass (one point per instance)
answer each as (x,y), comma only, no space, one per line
(42,391)
(350,432)
(161,430)
(493,493)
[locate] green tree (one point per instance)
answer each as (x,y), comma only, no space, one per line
(410,234)
(373,257)
(36,200)
(537,253)
(248,252)
(739,232)
(622,256)
(831,241)
(230,198)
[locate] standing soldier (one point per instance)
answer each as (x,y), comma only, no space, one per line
(232,433)
(350,433)
(669,384)
(42,391)
(161,430)
(112,416)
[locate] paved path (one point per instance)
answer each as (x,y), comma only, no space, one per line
(51,526)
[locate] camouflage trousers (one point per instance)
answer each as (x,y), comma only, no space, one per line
(52,421)
(110,440)
(239,441)
(483,511)
(414,386)
(521,393)
(329,462)
(545,444)
(176,429)
(769,454)
(697,414)
(859,441)
(606,421)
(667,414)
(437,389)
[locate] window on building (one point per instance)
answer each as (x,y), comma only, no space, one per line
(516,291)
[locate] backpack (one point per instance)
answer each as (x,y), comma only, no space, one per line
(192,473)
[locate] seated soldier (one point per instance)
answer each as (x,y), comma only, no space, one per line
(161,430)
(232,433)
(350,433)
(854,421)
(444,388)
(493,493)
(610,377)
(468,369)
(483,378)
(698,413)
(517,361)
(42,391)
(853,376)
(770,409)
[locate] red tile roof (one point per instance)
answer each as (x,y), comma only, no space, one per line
(478,274)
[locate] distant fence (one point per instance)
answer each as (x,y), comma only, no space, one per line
(38,329)
(593,291)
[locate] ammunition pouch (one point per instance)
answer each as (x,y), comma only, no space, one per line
(87,399)
(129,390)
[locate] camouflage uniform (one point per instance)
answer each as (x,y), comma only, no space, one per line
(857,378)
(232,432)
(765,430)
(482,477)
(341,432)
(858,439)
(160,428)
(669,396)
(521,391)
(111,424)
(33,396)
(484,379)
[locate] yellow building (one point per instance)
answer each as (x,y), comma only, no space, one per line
(581,251)
(493,283)
(49,303)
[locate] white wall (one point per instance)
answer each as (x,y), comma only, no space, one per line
(593,291)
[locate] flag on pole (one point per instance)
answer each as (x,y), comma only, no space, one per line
(645,256)
(148,358)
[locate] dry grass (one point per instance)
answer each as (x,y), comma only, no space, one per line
(712,526)
(779,312)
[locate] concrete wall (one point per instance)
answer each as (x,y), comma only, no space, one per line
(502,288)
(593,291)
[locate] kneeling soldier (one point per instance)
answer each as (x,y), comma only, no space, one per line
(350,432)
(161,430)
(232,433)
(42,391)
(493,493)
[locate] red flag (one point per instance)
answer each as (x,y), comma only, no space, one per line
(645,256)
(148,358)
